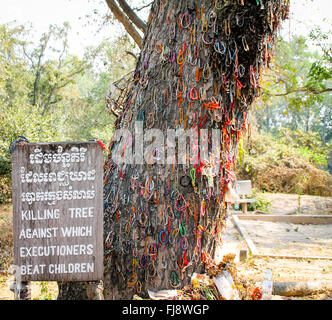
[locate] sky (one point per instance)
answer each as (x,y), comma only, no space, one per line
(41,13)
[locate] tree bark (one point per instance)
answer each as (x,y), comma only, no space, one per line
(161,221)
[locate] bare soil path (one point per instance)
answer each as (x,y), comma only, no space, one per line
(285,239)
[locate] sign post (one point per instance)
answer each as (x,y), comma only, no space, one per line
(58,211)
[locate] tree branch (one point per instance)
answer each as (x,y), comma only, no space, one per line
(143,7)
(140,24)
(58,86)
(119,15)
(38,71)
(304,89)
(132,54)
(45,106)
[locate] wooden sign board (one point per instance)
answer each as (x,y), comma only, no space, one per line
(58,211)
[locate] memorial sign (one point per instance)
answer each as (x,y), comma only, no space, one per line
(58,211)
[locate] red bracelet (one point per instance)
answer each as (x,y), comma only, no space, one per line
(193,94)
(185,206)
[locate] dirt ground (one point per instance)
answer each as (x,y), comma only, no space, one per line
(295,204)
(307,241)
(268,237)
(285,239)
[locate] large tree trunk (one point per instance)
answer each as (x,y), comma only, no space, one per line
(199,68)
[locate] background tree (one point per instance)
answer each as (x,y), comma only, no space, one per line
(35,86)
(87,116)
(296,95)
(295,89)
(200,67)
(48,94)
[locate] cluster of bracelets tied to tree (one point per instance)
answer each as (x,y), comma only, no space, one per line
(202,68)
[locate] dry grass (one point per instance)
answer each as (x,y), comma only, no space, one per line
(275,167)
(5,188)
(39,290)
(299,179)
(6,238)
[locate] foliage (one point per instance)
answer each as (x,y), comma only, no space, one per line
(296,104)
(6,240)
(261,202)
(5,188)
(51,75)
(33,97)
(321,70)
(274,166)
(46,293)
(88,118)
(293,91)
(306,144)
(48,94)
